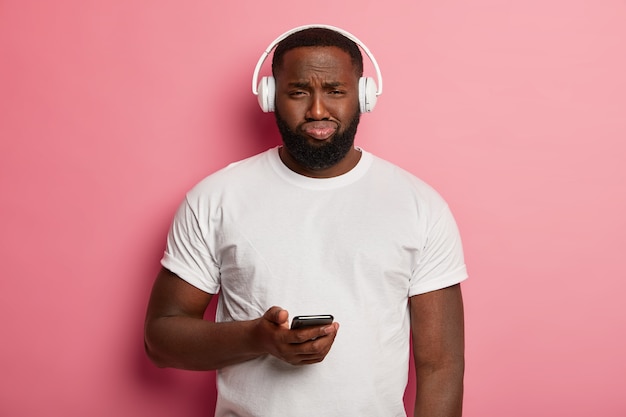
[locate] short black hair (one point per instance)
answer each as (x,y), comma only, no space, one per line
(318,36)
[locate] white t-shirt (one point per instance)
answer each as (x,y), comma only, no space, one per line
(356,246)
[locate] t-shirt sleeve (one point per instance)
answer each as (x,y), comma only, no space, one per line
(441,262)
(187,253)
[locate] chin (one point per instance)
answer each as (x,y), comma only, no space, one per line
(317,154)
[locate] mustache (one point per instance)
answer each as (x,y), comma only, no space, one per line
(318,156)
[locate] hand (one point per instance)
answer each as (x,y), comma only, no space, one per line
(297,347)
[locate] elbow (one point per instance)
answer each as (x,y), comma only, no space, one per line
(154,357)
(152,352)
(453,368)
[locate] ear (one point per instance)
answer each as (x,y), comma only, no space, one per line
(367,94)
(267,94)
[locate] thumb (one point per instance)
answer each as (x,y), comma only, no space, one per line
(276,315)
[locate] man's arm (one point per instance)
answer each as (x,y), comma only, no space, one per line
(437,326)
(176,335)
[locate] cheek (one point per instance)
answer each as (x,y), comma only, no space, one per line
(290,110)
(347,113)
(347,109)
(290,118)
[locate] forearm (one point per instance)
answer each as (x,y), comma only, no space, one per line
(438,352)
(195,344)
(439,391)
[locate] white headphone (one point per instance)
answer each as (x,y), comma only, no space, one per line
(266,90)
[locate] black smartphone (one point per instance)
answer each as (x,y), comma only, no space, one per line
(299,322)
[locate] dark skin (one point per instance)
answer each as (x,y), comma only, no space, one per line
(317,85)
(314,84)
(437,327)
(177,336)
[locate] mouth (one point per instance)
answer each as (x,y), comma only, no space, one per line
(319,130)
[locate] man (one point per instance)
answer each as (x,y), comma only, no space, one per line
(315,226)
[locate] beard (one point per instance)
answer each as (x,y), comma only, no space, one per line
(321,156)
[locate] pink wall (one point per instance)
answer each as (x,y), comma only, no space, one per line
(110,111)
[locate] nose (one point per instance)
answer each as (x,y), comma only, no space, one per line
(318,109)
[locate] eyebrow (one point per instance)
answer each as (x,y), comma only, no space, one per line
(306,84)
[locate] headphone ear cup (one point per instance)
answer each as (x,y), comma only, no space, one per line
(367,94)
(267,93)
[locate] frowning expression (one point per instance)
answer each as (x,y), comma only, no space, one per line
(317,103)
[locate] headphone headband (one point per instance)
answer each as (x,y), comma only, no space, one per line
(268,50)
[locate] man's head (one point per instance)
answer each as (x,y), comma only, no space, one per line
(317,73)
(317,36)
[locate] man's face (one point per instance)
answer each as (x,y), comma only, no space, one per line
(317,109)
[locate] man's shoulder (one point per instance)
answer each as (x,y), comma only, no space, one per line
(243,172)
(400,176)
(248,166)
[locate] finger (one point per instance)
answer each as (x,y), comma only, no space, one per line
(313,354)
(331,329)
(276,315)
(313,333)
(312,350)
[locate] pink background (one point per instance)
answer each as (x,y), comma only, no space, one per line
(109,111)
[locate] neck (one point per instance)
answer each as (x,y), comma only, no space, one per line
(343,166)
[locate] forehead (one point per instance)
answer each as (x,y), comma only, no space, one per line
(304,62)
